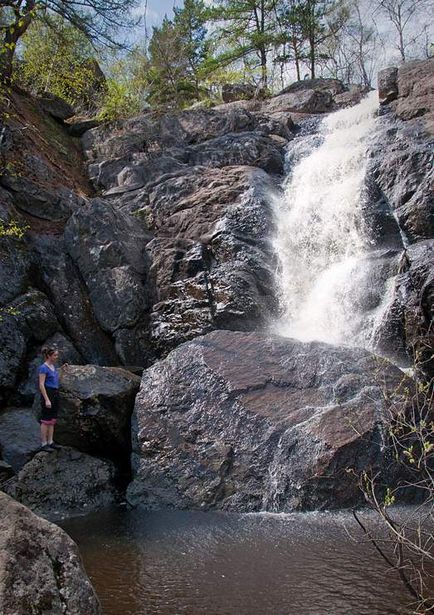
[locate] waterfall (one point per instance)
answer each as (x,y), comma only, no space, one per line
(322,241)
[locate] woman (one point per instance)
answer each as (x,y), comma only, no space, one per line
(49,389)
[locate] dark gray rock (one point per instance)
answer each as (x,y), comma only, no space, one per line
(109,250)
(300,101)
(410,314)
(19,436)
(68,293)
(79,127)
(40,567)
(237,91)
(56,106)
(351,97)
(63,483)
(12,352)
(15,268)
(332,86)
(96,404)
(32,198)
(247,422)
(402,169)
(388,85)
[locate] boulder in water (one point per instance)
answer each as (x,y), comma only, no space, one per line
(40,567)
(248,422)
(64,482)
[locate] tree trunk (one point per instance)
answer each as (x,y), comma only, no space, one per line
(11,37)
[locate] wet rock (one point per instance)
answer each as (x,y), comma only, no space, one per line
(96,404)
(410,313)
(40,567)
(212,260)
(387,85)
(402,169)
(247,422)
(64,482)
(19,436)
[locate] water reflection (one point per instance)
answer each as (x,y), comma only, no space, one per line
(171,563)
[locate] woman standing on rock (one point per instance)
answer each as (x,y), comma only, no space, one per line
(49,389)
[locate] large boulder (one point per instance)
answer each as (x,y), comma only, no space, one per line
(56,106)
(247,422)
(237,91)
(96,404)
(416,92)
(63,483)
(40,567)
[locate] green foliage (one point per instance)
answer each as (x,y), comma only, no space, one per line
(12,229)
(245,28)
(59,59)
(178,51)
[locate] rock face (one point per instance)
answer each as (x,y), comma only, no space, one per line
(95,409)
(249,422)
(402,179)
(64,483)
(40,567)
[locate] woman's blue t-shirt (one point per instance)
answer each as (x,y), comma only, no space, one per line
(51,376)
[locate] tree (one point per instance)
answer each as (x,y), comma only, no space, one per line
(189,22)
(177,53)
(352,51)
(292,34)
(57,58)
(247,27)
(408,543)
(97,19)
(403,16)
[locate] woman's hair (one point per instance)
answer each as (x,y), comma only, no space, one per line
(47,351)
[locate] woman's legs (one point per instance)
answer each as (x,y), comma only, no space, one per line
(50,433)
(44,433)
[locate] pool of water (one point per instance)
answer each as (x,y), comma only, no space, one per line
(170,563)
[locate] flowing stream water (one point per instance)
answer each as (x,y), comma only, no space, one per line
(322,240)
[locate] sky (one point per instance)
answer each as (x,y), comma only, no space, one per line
(156,9)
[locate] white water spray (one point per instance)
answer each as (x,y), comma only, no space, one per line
(321,241)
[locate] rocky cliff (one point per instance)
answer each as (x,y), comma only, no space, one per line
(159,234)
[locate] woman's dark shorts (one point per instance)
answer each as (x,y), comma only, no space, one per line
(49,415)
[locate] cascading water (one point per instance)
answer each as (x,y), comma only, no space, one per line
(322,240)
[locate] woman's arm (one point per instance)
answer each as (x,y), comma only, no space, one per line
(43,390)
